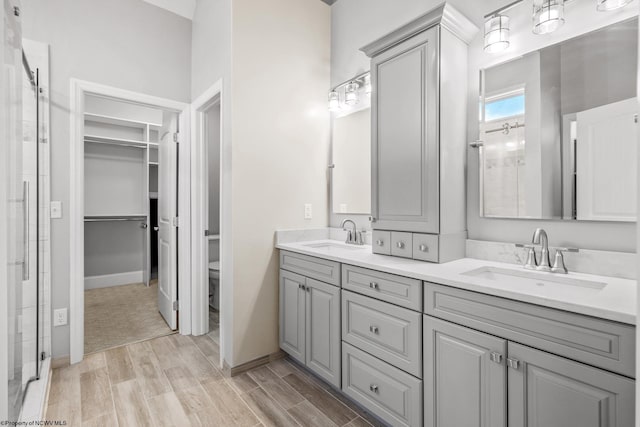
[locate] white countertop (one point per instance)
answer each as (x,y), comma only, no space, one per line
(616,301)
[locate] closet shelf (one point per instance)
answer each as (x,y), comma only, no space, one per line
(100,118)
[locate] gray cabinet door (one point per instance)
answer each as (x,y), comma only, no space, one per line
(464,377)
(292,315)
(550,391)
(405,165)
(323,330)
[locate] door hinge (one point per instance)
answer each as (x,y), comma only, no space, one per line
(206,233)
(176,221)
(175,305)
(175,137)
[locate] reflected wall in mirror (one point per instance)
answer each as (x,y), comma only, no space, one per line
(351,178)
(558,130)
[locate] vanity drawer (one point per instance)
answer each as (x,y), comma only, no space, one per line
(401,244)
(425,247)
(315,268)
(388,392)
(602,343)
(386,331)
(387,287)
(381,243)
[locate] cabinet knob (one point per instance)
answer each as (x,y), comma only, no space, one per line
(400,245)
(496,357)
(373,388)
(373,329)
(373,285)
(513,363)
(423,248)
(379,243)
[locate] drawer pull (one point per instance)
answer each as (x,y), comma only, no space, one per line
(423,248)
(373,285)
(373,329)
(373,388)
(400,245)
(379,243)
(496,357)
(513,363)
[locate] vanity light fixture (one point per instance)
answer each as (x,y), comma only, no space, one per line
(496,33)
(350,91)
(496,29)
(607,5)
(548,16)
(334,101)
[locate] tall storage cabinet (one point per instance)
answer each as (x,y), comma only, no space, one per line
(419,98)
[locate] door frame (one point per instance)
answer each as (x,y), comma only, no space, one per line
(78,90)
(200,221)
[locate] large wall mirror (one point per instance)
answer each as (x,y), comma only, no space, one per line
(558,130)
(351,147)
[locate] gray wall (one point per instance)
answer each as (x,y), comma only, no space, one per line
(98,41)
(358,22)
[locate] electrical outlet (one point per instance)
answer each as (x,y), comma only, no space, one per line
(308,211)
(60,317)
(56,209)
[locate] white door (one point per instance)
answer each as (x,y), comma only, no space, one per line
(606,157)
(167,217)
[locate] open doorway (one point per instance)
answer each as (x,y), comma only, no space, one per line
(210,231)
(130,249)
(130,187)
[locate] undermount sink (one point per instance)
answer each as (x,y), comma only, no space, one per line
(526,278)
(328,245)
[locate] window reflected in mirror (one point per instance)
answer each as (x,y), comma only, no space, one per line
(558,130)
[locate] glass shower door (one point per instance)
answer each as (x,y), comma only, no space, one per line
(14,202)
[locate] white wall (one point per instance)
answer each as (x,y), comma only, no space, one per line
(123,43)
(358,22)
(281,54)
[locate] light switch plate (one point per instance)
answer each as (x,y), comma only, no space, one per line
(56,209)
(60,317)
(308,211)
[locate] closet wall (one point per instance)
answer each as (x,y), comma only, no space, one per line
(120,175)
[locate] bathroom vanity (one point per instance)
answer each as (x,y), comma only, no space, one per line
(470,342)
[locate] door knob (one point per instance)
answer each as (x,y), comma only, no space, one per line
(400,245)
(423,248)
(379,243)
(373,329)
(373,388)
(373,285)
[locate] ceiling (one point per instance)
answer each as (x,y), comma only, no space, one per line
(184,8)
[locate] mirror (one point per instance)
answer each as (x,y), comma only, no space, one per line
(558,130)
(351,178)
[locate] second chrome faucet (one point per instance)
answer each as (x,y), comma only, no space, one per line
(540,238)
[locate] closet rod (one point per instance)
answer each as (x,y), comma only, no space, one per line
(114,218)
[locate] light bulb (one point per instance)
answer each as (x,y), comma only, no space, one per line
(548,16)
(334,101)
(351,94)
(607,5)
(496,34)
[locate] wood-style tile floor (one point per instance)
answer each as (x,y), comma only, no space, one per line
(175,381)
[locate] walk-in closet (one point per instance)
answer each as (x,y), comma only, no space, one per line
(121,178)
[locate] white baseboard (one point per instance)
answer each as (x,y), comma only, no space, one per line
(109,280)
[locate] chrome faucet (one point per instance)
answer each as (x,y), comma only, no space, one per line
(354,237)
(540,238)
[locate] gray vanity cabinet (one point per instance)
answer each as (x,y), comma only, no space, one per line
(418,152)
(405,145)
(292,315)
(310,324)
(465,377)
(551,391)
